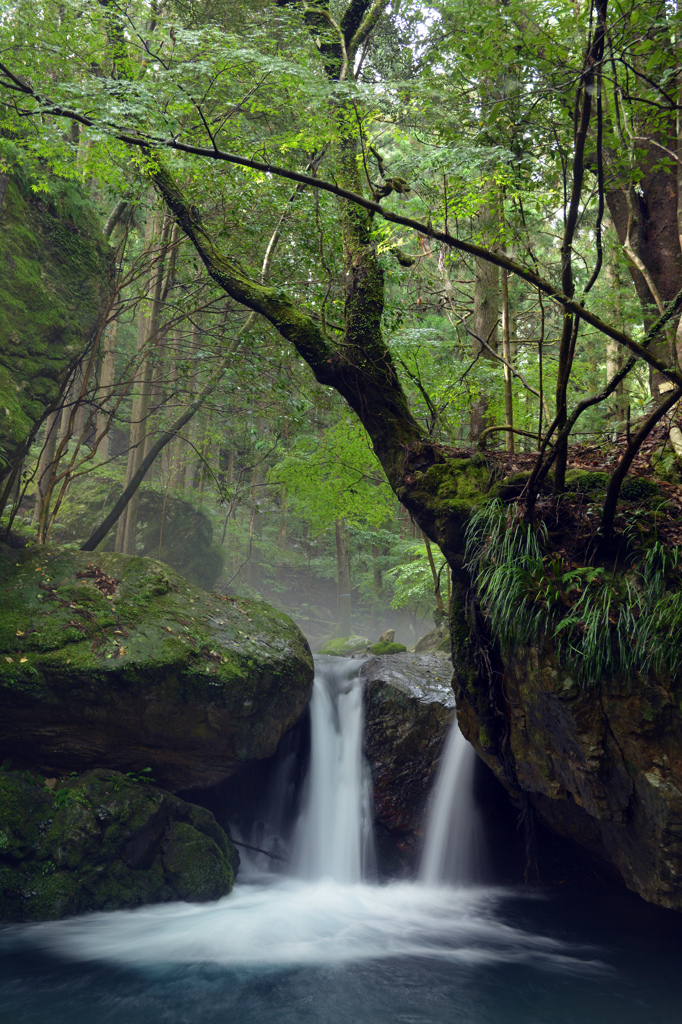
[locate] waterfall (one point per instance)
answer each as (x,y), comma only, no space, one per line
(334,833)
(453,845)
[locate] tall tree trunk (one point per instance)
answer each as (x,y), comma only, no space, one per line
(434,574)
(343,580)
(46,460)
(107,376)
(486,316)
(148,322)
(507,354)
(376,567)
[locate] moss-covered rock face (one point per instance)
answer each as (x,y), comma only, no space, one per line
(54,277)
(602,765)
(410,705)
(345,646)
(104,841)
(114,661)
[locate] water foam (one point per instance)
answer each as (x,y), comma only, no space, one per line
(293,922)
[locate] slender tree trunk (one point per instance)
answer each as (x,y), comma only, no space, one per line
(434,574)
(148,322)
(282,531)
(190,466)
(343,580)
(46,460)
(486,316)
(69,398)
(376,566)
(107,376)
(507,354)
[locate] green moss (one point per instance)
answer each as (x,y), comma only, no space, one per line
(197,866)
(345,646)
(453,487)
(638,488)
(386,647)
(118,843)
(156,630)
(587,482)
(484,738)
(54,280)
(49,896)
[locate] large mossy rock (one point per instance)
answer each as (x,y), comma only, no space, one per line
(104,841)
(114,661)
(410,705)
(54,278)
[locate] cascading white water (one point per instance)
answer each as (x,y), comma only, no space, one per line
(326,915)
(334,834)
(453,846)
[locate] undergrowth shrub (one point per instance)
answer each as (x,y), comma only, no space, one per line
(600,623)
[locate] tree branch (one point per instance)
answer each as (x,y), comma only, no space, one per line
(147,142)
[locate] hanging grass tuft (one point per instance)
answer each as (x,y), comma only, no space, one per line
(601,624)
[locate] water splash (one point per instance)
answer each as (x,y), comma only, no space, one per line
(292,922)
(334,834)
(454,850)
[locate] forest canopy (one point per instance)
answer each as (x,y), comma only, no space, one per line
(464,220)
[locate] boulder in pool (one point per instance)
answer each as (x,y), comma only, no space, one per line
(410,706)
(104,841)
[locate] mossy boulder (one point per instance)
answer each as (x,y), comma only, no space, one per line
(435,642)
(55,273)
(410,705)
(117,662)
(386,647)
(585,481)
(169,527)
(104,841)
(345,646)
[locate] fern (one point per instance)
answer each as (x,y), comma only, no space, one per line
(600,625)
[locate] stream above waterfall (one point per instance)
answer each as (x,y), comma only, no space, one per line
(325,944)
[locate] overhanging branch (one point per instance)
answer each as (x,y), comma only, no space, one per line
(148,142)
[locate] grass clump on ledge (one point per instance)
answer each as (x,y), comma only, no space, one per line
(600,623)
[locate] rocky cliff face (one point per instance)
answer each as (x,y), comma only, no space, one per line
(54,279)
(601,765)
(112,661)
(410,705)
(601,762)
